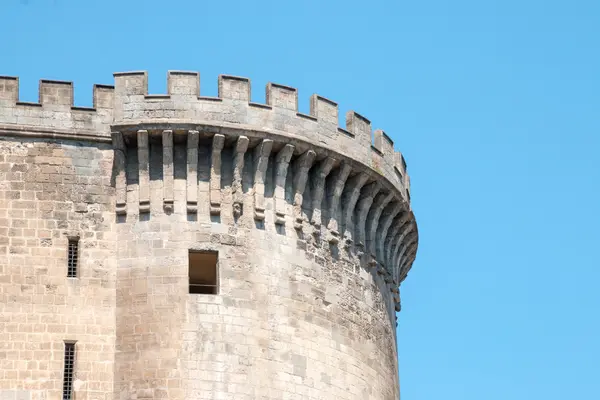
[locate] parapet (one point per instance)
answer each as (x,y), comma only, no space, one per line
(54,113)
(377,181)
(128,102)
(234,109)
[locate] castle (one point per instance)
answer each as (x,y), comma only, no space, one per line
(187,247)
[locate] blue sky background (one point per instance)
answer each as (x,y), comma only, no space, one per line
(495,105)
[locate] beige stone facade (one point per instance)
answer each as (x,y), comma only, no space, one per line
(311,222)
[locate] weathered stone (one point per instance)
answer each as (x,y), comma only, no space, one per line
(139,181)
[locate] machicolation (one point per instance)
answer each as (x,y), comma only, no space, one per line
(187,247)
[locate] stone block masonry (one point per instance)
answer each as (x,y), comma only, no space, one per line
(311,222)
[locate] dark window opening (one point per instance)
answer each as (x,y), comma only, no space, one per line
(68,371)
(72,258)
(203,272)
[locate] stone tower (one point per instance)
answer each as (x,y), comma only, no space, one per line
(187,247)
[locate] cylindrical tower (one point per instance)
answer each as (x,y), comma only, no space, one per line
(184,247)
(260,249)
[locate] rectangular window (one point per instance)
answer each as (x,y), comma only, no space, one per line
(72,258)
(68,371)
(203,272)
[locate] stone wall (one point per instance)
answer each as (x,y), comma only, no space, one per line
(312,224)
(50,191)
(291,320)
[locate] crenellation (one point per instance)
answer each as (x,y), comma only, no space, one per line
(281,96)
(183,83)
(9,90)
(54,115)
(385,146)
(400,166)
(325,110)
(104,97)
(360,128)
(376,151)
(388,139)
(234,88)
(346,133)
(308,117)
(56,93)
(131,84)
(311,222)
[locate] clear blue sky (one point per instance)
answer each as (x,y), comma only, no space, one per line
(495,105)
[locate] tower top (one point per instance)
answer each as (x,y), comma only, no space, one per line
(127,107)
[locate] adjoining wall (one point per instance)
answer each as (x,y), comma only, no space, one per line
(55,113)
(50,191)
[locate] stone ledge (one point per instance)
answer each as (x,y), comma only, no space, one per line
(38,133)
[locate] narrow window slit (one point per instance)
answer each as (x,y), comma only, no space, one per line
(72,258)
(68,370)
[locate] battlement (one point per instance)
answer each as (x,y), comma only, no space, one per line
(128,102)
(353,174)
(55,110)
(184,103)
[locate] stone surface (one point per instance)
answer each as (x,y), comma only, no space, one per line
(308,288)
